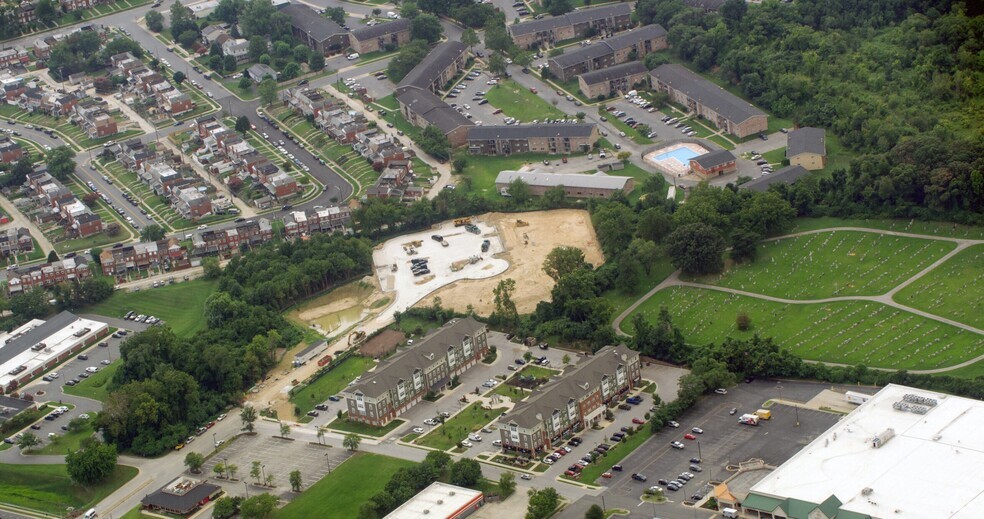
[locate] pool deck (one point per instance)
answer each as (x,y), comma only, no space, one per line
(667,159)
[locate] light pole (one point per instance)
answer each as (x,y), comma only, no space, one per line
(698,451)
(328,461)
(213,439)
(263,472)
(246,484)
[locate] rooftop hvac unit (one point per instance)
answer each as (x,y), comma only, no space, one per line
(920,400)
(882,438)
(866,491)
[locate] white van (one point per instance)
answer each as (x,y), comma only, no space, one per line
(352,57)
(91,514)
(392,16)
(730,513)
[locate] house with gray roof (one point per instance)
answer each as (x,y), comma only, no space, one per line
(787,175)
(723,109)
(628,46)
(583,23)
(713,164)
(260,71)
(401,381)
(383,36)
(531,138)
(575,401)
(807,147)
(320,34)
(575,185)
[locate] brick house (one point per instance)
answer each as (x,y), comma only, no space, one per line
(191,203)
(24,279)
(14,241)
(177,102)
(281,185)
(10,150)
(315,31)
(15,55)
(615,80)
(165,254)
(422,108)
(326,220)
(308,101)
(713,164)
(807,147)
(532,138)
(230,240)
(721,108)
(95,121)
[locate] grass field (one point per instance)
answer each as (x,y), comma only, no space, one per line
(848,332)
(538,372)
(517,101)
(67,441)
(514,393)
(483,170)
(47,488)
(614,455)
(180,304)
(346,488)
(621,300)
(951,230)
(832,264)
(96,386)
(342,424)
(954,290)
(457,428)
(331,383)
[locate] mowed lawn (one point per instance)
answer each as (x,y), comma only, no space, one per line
(96,386)
(347,487)
(180,304)
(457,428)
(47,488)
(517,101)
(330,383)
(832,264)
(849,332)
(954,290)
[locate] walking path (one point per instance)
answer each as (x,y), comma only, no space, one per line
(885,299)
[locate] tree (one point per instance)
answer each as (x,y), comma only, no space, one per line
(595,512)
(194,461)
(52,256)
(248,416)
(497,64)
(242,124)
(268,91)
(459,164)
(260,506)
(352,441)
(216,63)
(409,10)
(654,224)
(543,503)
(93,463)
(229,63)
(219,470)
(496,37)
(245,84)
(426,27)
(284,430)
(466,472)
(211,268)
(60,162)
(505,313)
(257,47)
(434,142)
(469,37)
(520,191)
(559,7)
(291,71)
(295,480)
(225,507)
(179,77)
(336,14)
(507,483)
(188,38)
(28,440)
(409,57)
(743,321)
(696,249)
(563,260)
(322,429)
(152,232)
(316,62)
(46,11)
(155,20)
(744,245)
(255,471)
(231,470)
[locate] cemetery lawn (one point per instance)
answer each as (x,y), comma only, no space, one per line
(954,290)
(849,332)
(832,264)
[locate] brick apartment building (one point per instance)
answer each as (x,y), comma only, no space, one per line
(227,241)
(422,108)
(315,31)
(165,254)
(401,381)
(714,164)
(612,81)
(389,35)
(723,109)
(628,46)
(15,241)
(576,401)
(314,221)
(191,203)
(532,138)
(575,185)
(603,20)
(24,279)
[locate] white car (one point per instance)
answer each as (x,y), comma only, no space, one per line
(418,430)
(474,437)
(721,391)
(92,369)
(54,374)
(697,430)
(676,445)
(673,424)
(221,417)
(497,443)
(430,421)
(548,460)
(527,477)
(83,416)
(466,443)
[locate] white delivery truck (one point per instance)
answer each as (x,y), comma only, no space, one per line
(730,513)
(749,419)
(856,398)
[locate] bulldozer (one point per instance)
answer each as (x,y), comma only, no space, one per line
(521,223)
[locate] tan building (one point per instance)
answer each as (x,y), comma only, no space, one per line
(575,185)
(583,23)
(532,138)
(807,147)
(438,68)
(390,35)
(628,46)
(415,93)
(723,109)
(613,80)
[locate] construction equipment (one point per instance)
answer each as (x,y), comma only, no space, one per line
(458,222)
(473,229)
(521,223)
(485,245)
(460,264)
(393,268)
(356,338)
(526,239)
(444,243)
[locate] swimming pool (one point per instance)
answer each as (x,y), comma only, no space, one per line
(682,155)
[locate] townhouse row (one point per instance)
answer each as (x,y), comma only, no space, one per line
(59,204)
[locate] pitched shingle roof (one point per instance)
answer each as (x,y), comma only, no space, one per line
(526,131)
(787,175)
(572,18)
(610,73)
(806,140)
(714,159)
(431,67)
(725,103)
(382,29)
(432,109)
(613,44)
(307,20)
(537,178)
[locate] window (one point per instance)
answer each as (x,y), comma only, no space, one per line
(418,380)
(620,374)
(360,402)
(401,391)
(571,410)
(452,359)
(466,345)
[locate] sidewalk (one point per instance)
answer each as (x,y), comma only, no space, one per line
(245,210)
(18,218)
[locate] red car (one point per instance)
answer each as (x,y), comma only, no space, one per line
(210,425)
(689,436)
(638,421)
(560,452)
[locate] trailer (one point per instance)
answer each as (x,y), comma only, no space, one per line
(856,398)
(324,360)
(748,419)
(763,414)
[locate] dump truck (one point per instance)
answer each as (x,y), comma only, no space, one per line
(748,419)
(458,222)
(763,414)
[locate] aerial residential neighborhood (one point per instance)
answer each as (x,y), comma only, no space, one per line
(272,259)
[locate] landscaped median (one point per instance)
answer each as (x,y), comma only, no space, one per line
(617,453)
(344,425)
(330,383)
(459,426)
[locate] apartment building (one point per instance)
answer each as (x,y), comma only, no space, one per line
(315,31)
(23,279)
(95,121)
(191,203)
(575,185)
(723,109)
(807,147)
(578,400)
(167,254)
(15,241)
(314,221)
(401,381)
(10,150)
(531,138)
(422,108)
(228,241)
(613,81)
(384,36)
(628,46)
(440,66)
(583,23)
(713,164)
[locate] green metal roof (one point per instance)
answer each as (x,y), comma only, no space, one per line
(761,502)
(831,506)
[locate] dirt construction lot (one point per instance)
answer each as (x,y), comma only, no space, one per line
(525,247)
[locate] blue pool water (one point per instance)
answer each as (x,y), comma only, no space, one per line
(681,154)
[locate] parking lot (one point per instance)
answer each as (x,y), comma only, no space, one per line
(724,442)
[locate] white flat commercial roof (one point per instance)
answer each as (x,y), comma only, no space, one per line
(57,340)
(931,468)
(438,501)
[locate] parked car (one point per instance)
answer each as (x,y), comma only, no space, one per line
(676,445)
(638,477)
